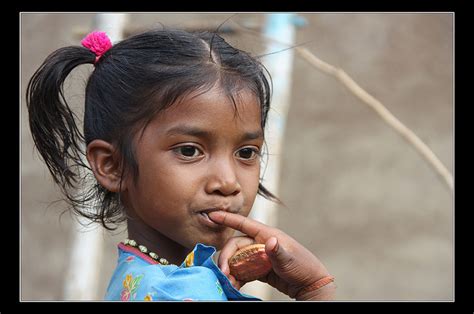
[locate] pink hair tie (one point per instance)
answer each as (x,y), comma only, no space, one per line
(98,43)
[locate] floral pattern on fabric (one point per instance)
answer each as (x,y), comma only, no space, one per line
(219,287)
(189,261)
(130,286)
(138,278)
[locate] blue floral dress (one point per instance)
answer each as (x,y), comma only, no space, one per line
(138,277)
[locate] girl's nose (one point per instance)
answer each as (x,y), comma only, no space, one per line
(222,179)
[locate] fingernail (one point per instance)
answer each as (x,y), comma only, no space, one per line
(273,244)
(215,215)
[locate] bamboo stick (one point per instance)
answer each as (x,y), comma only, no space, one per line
(383,112)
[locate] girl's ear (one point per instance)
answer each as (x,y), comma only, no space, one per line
(105,163)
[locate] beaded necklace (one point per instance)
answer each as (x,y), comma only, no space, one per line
(144,250)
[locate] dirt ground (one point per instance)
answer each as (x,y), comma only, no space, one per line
(357,195)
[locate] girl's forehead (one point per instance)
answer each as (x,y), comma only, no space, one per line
(215,103)
(212,115)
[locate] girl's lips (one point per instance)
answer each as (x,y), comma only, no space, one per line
(204,218)
(203,215)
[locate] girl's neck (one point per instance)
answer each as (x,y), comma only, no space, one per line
(156,242)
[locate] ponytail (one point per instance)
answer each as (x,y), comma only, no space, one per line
(54,131)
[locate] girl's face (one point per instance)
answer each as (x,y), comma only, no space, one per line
(197,156)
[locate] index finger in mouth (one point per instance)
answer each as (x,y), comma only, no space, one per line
(243,224)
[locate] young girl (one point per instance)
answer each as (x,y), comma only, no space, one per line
(173,131)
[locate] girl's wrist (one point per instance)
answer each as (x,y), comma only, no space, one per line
(322,289)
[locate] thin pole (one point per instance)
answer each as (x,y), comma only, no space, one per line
(280,65)
(82,276)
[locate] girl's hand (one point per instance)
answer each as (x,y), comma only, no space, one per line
(295,268)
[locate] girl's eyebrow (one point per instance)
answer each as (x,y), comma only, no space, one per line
(197,132)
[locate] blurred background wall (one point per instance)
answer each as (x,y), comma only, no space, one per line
(358,196)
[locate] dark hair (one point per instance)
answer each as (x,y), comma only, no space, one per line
(132,81)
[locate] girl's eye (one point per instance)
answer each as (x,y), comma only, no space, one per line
(248,153)
(188,151)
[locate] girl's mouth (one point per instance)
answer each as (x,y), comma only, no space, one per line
(204,218)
